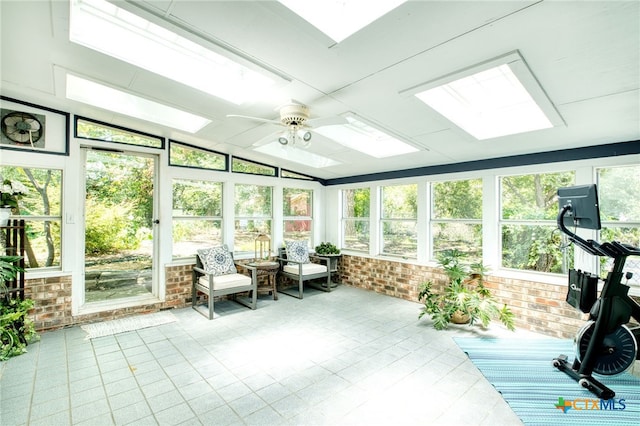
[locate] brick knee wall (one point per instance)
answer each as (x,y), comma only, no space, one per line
(52,300)
(537,307)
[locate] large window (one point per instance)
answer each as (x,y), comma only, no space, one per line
(531,239)
(40,207)
(355,219)
(398,220)
(619,199)
(197,216)
(253,215)
(456,217)
(297,209)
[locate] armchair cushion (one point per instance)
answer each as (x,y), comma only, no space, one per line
(297,251)
(217,260)
(222,282)
(307,268)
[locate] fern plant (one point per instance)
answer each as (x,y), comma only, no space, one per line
(16,326)
(464,298)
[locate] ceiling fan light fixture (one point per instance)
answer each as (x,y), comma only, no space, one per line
(283,140)
(306,136)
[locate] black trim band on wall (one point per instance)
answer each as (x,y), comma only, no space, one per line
(573,154)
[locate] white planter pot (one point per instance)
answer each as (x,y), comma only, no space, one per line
(5,212)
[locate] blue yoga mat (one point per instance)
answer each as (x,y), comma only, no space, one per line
(522,371)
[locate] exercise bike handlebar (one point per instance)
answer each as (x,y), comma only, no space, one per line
(590,246)
(613,249)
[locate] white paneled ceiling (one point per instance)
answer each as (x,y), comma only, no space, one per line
(585,55)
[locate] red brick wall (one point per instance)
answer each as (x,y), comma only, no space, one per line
(537,307)
(52,297)
(52,300)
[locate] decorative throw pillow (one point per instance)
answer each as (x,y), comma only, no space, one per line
(217,260)
(297,251)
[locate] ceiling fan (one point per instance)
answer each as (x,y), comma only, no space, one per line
(294,116)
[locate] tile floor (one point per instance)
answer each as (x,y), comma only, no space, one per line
(349,357)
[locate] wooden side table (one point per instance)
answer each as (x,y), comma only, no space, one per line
(271,270)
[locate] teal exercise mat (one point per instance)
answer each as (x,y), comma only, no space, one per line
(522,371)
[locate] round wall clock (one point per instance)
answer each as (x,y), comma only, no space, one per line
(21,127)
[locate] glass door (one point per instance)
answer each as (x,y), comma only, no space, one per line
(119,214)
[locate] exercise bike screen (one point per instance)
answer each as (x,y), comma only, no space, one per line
(584,211)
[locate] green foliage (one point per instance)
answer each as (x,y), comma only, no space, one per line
(8,270)
(42,198)
(197,198)
(327,248)
(253,201)
(616,186)
(119,202)
(106,231)
(182,155)
(16,327)
(464,294)
(243,166)
(356,203)
(536,248)
(532,197)
(11,192)
(460,199)
(400,202)
(91,130)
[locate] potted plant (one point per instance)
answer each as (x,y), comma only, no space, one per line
(329,250)
(10,192)
(464,299)
(16,326)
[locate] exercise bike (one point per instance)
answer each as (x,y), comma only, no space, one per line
(605,345)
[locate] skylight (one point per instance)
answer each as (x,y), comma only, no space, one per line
(104,27)
(365,138)
(341,18)
(89,92)
(296,155)
(503,99)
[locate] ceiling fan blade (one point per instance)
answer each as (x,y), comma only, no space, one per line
(266,140)
(327,121)
(261,120)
